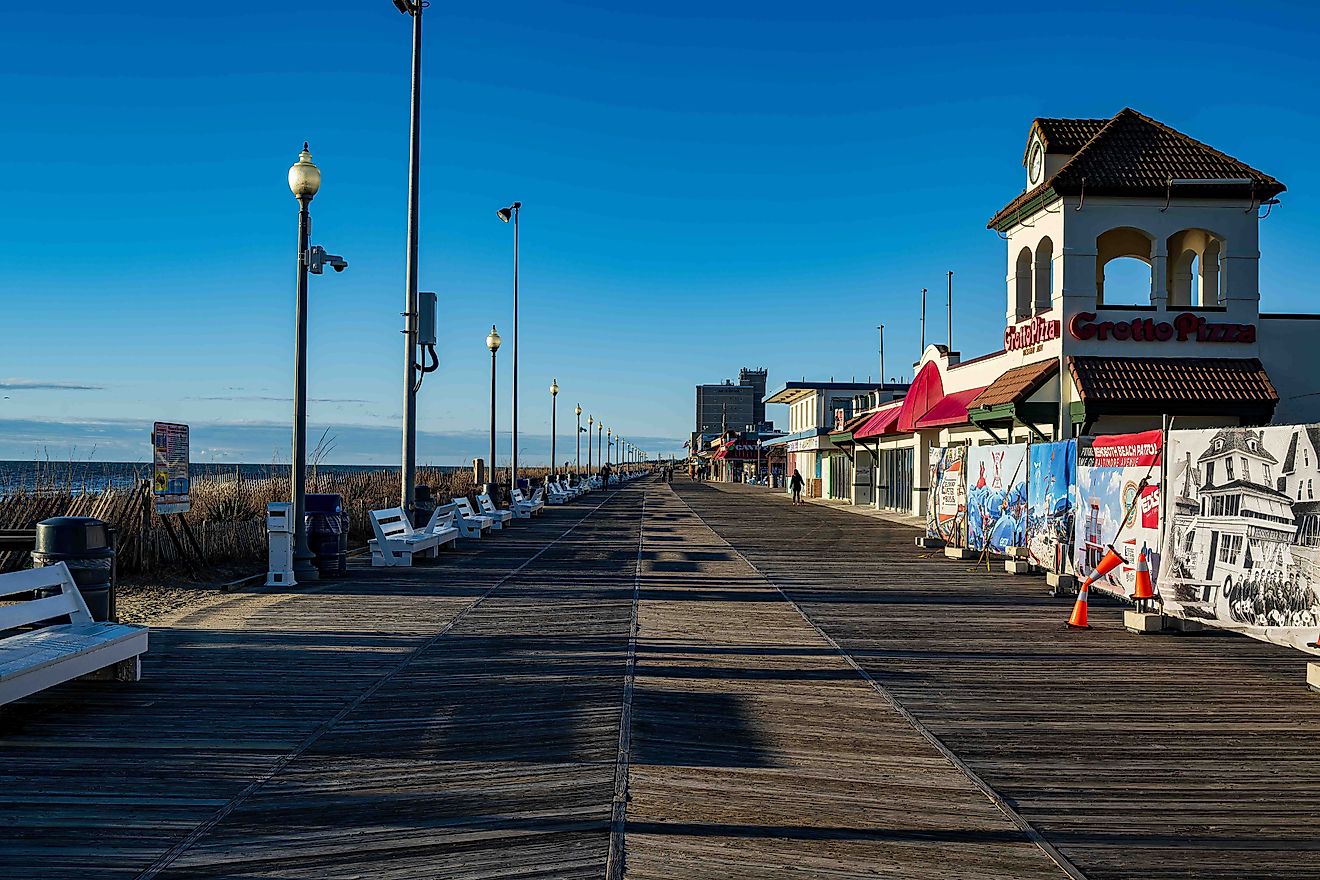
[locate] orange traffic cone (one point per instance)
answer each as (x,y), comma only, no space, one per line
(1110,561)
(1078,618)
(1144,590)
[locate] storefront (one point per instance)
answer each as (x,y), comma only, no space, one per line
(1194,350)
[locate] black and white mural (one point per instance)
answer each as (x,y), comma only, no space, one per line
(1242,531)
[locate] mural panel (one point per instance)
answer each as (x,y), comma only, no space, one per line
(946,514)
(1118,504)
(1051,487)
(997,497)
(1243,537)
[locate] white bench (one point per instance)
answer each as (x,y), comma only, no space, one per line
(524,507)
(32,660)
(557,495)
(569,489)
(498,516)
(470,523)
(396,540)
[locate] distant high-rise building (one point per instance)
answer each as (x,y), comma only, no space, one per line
(755,379)
(736,407)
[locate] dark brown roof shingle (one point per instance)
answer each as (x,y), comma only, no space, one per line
(1134,155)
(1218,386)
(1015,385)
(1064,135)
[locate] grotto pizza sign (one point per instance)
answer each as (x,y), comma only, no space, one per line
(1030,334)
(1184,328)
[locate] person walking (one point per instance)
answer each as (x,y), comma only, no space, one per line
(796,485)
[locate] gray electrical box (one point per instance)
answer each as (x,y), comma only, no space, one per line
(425,317)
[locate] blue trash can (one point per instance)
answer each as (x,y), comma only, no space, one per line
(327,533)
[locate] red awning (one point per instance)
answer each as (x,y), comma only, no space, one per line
(951,410)
(880,422)
(927,389)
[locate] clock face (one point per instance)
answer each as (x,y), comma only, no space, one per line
(1036,164)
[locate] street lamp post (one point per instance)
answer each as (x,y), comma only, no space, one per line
(554,427)
(304,182)
(600,431)
(492,343)
(609,445)
(409,469)
(505,215)
(591,420)
(577,411)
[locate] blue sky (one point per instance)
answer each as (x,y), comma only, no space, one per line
(706,186)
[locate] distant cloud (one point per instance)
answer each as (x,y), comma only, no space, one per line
(31,385)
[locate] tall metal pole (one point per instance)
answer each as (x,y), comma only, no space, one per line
(881,328)
(554,427)
(923,323)
(491,475)
(600,432)
(409,475)
(577,433)
(513,468)
(591,423)
(303,569)
(950,307)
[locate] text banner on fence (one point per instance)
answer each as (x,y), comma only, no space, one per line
(1118,503)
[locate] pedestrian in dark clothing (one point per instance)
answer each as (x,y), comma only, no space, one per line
(796,485)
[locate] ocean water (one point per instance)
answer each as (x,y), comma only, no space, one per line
(95,476)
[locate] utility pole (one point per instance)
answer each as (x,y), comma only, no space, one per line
(881,328)
(950,310)
(409,7)
(923,323)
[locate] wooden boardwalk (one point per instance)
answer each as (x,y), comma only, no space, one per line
(1137,756)
(668,683)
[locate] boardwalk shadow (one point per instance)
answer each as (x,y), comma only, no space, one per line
(695,729)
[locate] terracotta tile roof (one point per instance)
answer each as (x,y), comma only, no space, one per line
(1064,135)
(1016,385)
(1174,385)
(1134,155)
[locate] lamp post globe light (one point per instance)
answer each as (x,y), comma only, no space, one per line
(492,343)
(304,183)
(577,411)
(505,215)
(554,414)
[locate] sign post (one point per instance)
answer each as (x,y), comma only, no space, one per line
(169,482)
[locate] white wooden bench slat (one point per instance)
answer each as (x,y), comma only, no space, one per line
(30,651)
(37,610)
(30,579)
